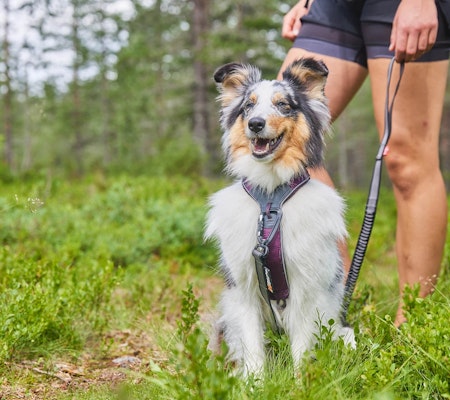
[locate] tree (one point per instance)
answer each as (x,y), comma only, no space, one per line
(201,112)
(7,88)
(90,88)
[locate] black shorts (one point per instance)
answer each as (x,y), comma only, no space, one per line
(356,30)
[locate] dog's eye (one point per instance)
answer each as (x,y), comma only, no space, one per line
(248,105)
(283,105)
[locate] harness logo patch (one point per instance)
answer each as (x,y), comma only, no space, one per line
(268,279)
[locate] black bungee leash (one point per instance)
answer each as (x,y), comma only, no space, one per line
(372,198)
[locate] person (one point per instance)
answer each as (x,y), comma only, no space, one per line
(357,38)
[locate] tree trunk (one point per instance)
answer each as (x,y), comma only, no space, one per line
(200,91)
(27,137)
(76,110)
(106,130)
(7,99)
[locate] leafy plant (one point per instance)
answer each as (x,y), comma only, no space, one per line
(45,306)
(198,374)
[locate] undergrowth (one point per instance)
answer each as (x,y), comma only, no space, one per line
(410,363)
(80,259)
(388,363)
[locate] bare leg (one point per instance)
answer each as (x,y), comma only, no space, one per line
(413,166)
(344,80)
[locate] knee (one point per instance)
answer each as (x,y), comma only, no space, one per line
(404,172)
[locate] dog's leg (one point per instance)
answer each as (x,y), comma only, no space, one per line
(347,334)
(301,337)
(244,330)
(302,321)
(304,332)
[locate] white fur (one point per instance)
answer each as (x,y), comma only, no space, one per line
(312,225)
(262,174)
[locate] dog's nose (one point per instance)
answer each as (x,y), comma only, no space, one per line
(256,124)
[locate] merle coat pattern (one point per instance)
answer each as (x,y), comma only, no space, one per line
(274,131)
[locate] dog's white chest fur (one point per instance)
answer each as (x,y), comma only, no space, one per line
(311,218)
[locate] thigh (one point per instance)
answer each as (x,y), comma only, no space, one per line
(344,78)
(418,107)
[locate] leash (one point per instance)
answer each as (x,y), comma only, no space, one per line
(372,199)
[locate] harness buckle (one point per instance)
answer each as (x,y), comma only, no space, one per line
(260,251)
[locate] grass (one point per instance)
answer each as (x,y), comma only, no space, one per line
(106,288)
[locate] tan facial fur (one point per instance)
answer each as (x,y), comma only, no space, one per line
(314,80)
(239,143)
(296,134)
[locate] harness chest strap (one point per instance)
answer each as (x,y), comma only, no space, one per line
(268,254)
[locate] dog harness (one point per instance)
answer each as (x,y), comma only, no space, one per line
(268,254)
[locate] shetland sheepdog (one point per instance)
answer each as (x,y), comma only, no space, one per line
(274,132)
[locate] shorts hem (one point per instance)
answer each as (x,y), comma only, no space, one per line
(330,49)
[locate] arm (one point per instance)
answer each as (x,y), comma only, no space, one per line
(291,21)
(414,29)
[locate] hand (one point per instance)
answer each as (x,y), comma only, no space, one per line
(414,29)
(291,21)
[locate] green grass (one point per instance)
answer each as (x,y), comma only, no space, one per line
(101,268)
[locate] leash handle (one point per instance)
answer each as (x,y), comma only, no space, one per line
(372,199)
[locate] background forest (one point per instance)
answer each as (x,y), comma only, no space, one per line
(109,149)
(126,85)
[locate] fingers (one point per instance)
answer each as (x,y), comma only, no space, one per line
(413,36)
(291,21)
(291,27)
(409,46)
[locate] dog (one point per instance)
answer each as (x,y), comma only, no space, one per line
(273,133)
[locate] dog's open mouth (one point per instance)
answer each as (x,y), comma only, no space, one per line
(264,147)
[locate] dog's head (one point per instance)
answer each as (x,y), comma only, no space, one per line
(273,129)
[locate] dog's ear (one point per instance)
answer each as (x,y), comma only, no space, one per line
(310,74)
(233,78)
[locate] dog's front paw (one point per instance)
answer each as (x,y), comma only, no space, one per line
(348,336)
(253,371)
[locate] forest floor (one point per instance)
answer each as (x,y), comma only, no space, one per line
(99,297)
(126,357)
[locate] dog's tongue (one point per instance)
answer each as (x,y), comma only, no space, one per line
(261,145)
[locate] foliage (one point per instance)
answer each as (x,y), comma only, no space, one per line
(82,259)
(198,374)
(92,85)
(390,363)
(411,362)
(46,307)
(62,256)
(121,90)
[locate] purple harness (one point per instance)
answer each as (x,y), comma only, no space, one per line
(268,253)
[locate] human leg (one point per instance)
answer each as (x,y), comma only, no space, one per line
(413,166)
(344,80)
